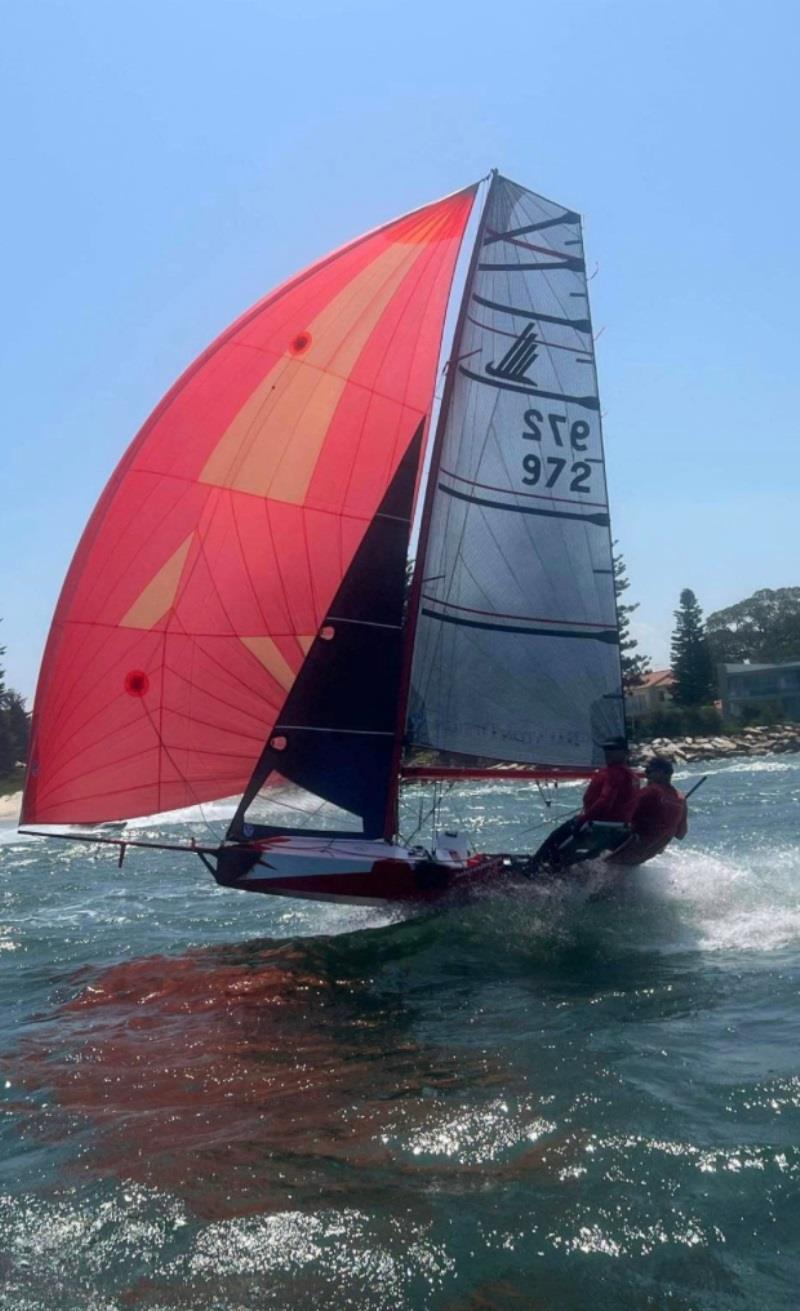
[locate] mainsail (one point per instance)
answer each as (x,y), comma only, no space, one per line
(516,651)
(207,575)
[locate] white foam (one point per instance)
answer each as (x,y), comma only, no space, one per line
(685,900)
(9,837)
(732,905)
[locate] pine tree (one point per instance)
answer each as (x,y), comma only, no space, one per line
(634,667)
(692,666)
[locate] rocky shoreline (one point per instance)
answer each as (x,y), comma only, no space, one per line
(758,741)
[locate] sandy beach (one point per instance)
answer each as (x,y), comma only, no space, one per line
(10,805)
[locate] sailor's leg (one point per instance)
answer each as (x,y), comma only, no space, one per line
(626,851)
(549,855)
(617,840)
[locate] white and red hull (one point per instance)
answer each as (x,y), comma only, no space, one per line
(354,871)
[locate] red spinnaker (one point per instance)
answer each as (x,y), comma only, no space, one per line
(216,548)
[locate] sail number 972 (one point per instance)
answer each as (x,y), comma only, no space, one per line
(553,466)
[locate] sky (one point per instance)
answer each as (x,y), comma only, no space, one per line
(167,162)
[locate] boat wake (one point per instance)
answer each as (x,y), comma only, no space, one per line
(735,905)
(688,900)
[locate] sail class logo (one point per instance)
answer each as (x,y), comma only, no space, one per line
(518,358)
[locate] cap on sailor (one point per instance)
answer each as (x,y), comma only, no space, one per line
(614,744)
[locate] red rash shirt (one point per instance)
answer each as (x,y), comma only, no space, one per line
(659,815)
(611,795)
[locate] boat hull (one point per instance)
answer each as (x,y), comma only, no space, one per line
(354,873)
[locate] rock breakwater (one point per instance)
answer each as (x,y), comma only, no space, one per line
(757,741)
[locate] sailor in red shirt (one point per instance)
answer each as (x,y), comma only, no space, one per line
(610,796)
(612,793)
(659,815)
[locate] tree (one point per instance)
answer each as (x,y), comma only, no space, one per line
(634,667)
(765,627)
(18,722)
(8,755)
(692,666)
(14,725)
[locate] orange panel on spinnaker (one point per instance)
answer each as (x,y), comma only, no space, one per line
(216,548)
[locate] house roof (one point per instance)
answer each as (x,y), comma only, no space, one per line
(658,678)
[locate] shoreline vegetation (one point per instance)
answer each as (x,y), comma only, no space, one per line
(764,740)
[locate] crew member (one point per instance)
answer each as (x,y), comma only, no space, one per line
(610,796)
(659,815)
(612,793)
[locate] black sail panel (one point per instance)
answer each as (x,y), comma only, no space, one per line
(335,736)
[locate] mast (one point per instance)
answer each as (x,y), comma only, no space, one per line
(414,596)
(621,692)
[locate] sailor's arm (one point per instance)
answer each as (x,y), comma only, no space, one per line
(592,796)
(683,827)
(644,809)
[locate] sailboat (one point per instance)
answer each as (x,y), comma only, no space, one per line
(241,618)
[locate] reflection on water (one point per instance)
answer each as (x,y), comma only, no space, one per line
(261,1077)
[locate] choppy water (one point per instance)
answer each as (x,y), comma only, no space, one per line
(214,1100)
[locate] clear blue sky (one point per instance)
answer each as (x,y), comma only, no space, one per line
(168,161)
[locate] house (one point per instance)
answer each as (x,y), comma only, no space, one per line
(654,693)
(753,687)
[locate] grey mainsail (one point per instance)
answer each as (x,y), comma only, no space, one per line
(516,650)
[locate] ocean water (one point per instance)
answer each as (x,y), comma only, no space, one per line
(540,1099)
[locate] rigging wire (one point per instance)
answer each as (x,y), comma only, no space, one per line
(432,812)
(549,819)
(440,792)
